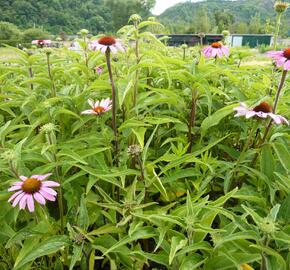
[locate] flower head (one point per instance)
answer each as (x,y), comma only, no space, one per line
(32,188)
(135,18)
(99,107)
(134,150)
(281,7)
(99,70)
(107,43)
(281,58)
(263,110)
(41,42)
(217,49)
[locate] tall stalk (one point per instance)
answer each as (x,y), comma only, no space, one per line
(53,91)
(277,30)
(114,107)
(137,55)
(192,117)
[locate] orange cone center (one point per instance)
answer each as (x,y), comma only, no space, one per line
(31,185)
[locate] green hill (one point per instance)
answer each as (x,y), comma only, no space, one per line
(72,15)
(217,15)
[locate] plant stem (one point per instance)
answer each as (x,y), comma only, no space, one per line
(31,76)
(53,91)
(244,150)
(184,54)
(282,82)
(278,22)
(85,51)
(137,69)
(57,173)
(114,107)
(192,119)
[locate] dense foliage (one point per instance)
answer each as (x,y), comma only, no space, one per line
(189,186)
(243,16)
(71,15)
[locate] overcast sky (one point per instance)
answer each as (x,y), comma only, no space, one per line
(161,5)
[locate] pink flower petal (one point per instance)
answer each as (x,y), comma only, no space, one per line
(39,198)
(287,65)
(47,196)
(104,49)
(50,184)
(23,201)
(41,177)
(119,47)
(18,198)
(15,195)
(14,188)
(30,203)
(88,112)
(49,190)
(113,49)
(23,178)
(250,114)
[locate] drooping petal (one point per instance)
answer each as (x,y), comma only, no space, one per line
(104,49)
(50,184)
(119,46)
(113,49)
(278,119)
(49,191)
(214,52)
(39,198)
(219,52)
(30,203)
(287,65)
(23,201)
(280,61)
(13,188)
(88,112)
(207,52)
(250,114)
(15,195)
(225,50)
(47,196)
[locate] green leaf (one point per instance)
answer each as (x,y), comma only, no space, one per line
(283,155)
(177,243)
(215,118)
(46,247)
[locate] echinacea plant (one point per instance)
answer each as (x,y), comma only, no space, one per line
(216,50)
(32,188)
(262,110)
(99,107)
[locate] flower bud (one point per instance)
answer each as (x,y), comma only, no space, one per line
(134,150)
(268,226)
(84,32)
(281,7)
(135,18)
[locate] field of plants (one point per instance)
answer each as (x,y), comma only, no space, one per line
(129,154)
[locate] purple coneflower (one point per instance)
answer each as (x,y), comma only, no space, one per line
(281,58)
(217,49)
(99,107)
(99,70)
(32,188)
(107,43)
(263,110)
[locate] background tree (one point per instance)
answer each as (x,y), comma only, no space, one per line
(9,34)
(35,33)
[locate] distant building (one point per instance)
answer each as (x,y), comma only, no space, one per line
(251,40)
(190,39)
